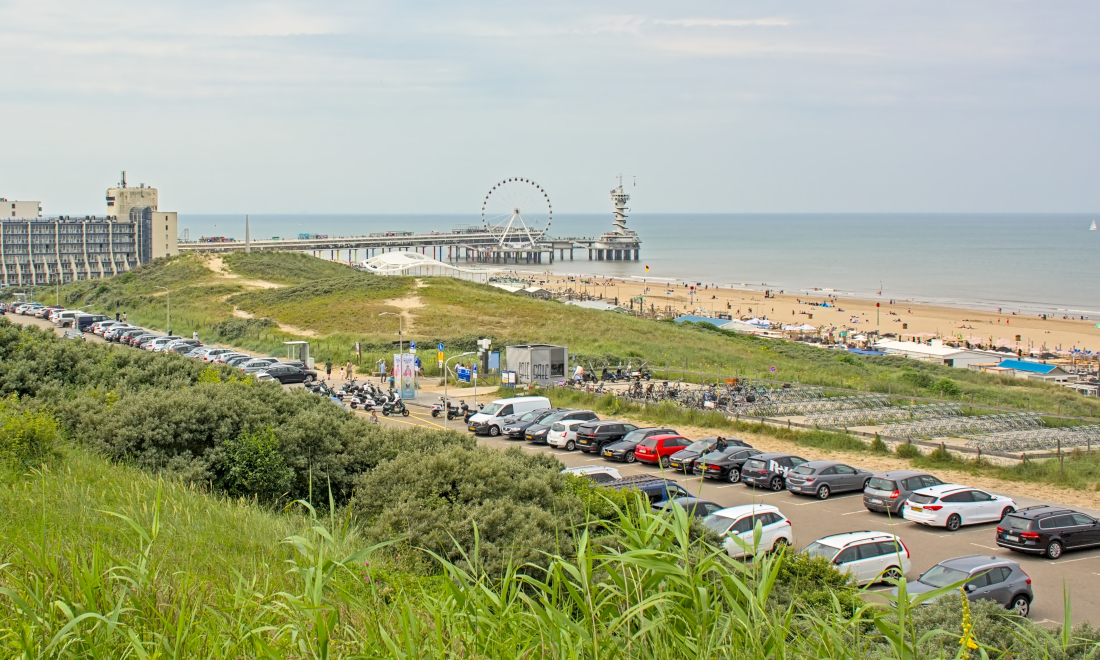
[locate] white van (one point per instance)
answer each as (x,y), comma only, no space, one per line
(491,417)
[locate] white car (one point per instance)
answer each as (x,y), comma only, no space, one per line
(952,506)
(738,523)
(869,556)
(600,474)
(564,433)
(212,354)
(159,343)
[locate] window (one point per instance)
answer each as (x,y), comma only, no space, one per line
(844,469)
(742,526)
(979,496)
(958,498)
(889,548)
(794,460)
(885,484)
(999,574)
(829,470)
(980,581)
(506,410)
(847,555)
(930,481)
(1057,522)
(770,518)
(1082,519)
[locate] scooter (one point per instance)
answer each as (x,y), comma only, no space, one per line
(390,407)
(453,411)
(470,412)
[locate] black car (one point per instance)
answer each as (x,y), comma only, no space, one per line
(693,505)
(125,337)
(514,428)
(536,433)
(684,460)
(594,437)
(286,373)
(623,450)
(85,321)
(725,464)
(769,470)
(1047,530)
(656,489)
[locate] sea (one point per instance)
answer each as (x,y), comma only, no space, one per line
(1027,263)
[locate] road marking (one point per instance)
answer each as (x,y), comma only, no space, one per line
(1070,561)
(979,545)
(822,501)
(592,460)
(855,512)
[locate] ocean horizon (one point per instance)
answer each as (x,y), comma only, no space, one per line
(1028,263)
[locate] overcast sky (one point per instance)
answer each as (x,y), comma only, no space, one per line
(419,107)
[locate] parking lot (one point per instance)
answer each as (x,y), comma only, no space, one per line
(813,519)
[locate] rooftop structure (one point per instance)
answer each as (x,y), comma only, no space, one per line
(1032,370)
(10,208)
(414,263)
(939,353)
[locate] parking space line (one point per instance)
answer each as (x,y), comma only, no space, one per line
(823,501)
(1070,561)
(979,545)
(855,512)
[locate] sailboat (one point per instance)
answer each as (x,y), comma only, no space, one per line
(1093,227)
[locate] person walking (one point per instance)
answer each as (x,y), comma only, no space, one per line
(382,371)
(124,317)
(342,372)
(195,335)
(117,315)
(351,371)
(328,368)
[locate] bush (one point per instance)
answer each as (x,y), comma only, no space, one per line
(810,583)
(236,328)
(947,387)
(907,450)
(28,438)
(915,378)
(255,466)
(878,446)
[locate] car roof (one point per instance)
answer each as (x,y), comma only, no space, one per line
(775,454)
(848,538)
(821,464)
(684,501)
(942,489)
(602,422)
(1042,510)
(970,562)
(741,509)
(900,474)
(590,469)
(665,436)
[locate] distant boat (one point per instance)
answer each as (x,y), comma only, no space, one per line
(1093,227)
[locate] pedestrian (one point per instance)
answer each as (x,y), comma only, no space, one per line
(382,371)
(195,335)
(328,369)
(351,371)
(124,317)
(342,372)
(116,317)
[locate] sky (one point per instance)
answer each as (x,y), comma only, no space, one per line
(420,107)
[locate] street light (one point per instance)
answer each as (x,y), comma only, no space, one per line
(168,310)
(446,401)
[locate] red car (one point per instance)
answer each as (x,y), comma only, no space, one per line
(658,448)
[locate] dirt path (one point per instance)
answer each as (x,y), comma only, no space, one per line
(294,330)
(406,305)
(215,264)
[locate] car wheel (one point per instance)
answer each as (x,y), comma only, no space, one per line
(1007,510)
(734,476)
(865,484)
(630,457)
(777,484)
(494,431)
(570,445)
(954,522)
(665,462)
(308,380)
(1054,550)
(892,573)
(1021,605)
(823,492)
(780,543)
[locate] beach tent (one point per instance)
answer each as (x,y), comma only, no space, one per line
(759,322)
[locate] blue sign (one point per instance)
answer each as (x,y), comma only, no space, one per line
(494,360)
(463,374)
(441,346)
(475,372)
(412,344)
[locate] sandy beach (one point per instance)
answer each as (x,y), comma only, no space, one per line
(892,316)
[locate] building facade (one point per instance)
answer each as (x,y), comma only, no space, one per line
(10,208)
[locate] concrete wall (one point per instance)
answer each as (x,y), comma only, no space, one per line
(10,208)
(121,200)
(165,234)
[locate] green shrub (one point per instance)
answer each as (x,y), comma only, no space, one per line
(255,466)
(236,328)
(28,438)
(907,450)
(810,583)
(915,378)
(947,387)
(878,446)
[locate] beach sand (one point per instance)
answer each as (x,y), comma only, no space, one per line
(976,326)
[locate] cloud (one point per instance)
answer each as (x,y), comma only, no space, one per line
(722,22)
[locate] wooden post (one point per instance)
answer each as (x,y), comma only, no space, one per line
(1060,460)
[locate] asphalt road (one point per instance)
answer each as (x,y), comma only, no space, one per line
(1078,572)
(813,519)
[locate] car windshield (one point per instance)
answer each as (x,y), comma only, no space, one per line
(531,416)
(922,499)
(558,427)
(648,442)
(803,469)
(878,483)
(941,576)
(636,436)
(720,524)
(754,465)
(819,549)
(698,446)
(1015,523)
(491,408)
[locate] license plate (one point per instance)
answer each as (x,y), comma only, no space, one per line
(530,437)
(676,465)
(473,428)
(607,453)
(1014,539)
(916,508)
(874,501)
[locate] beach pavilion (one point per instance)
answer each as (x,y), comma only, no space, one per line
(414,263)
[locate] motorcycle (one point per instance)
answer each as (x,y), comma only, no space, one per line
(453,411)
(394,408)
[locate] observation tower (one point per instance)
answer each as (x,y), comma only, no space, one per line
(619,244)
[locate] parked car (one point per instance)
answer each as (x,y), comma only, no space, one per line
(238,361)
(684,460)
(181,346)
(564,434)
(160,343)
(657,490)
(490,419)
(769,470)
(514,429)
(257,364)
(143,341)
(592,438)
(623,450)
(83,322)
(115,331)
(72,334)
(658,449)
(738,523)
(695,507)
(42,312)
(600,474)
(869,556)
(64,318)
(27,308)
(952,506)
(128,336)
(887,491)
(285,373)
(993,578)
(100,326)
(725,464)
(537,433)
(136,340)
(225,358)
(1048,530)
(823,478)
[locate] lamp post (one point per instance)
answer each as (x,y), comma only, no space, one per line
(168,309)
(446,401)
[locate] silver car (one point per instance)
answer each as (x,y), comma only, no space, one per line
(823,478)
(887,491)
(987,577)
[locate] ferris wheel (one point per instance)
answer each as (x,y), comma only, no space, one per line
(517,211)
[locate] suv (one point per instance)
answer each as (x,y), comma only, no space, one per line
(660,448)
(536,433)
(285,373)
(656,489)
(724,464)
(869,556)
(623,450)
(737,525)
(987,577)
(594,437)
(769,470)
(887,491)
(1047,530)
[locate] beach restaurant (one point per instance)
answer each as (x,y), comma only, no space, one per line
(961,358)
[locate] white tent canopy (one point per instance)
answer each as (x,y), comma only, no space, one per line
(414,263)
